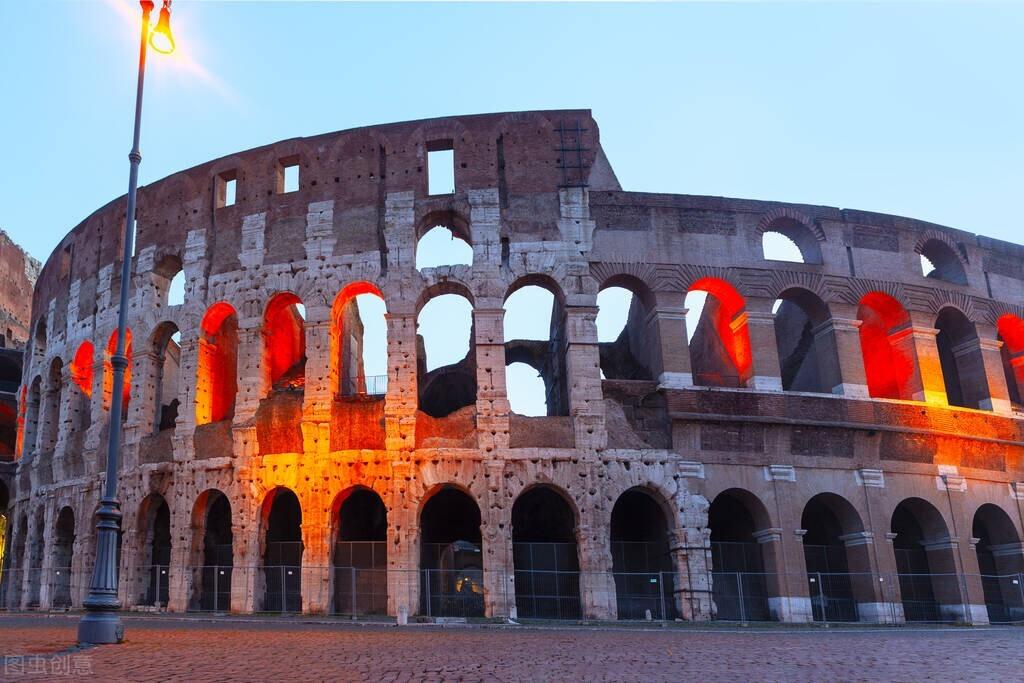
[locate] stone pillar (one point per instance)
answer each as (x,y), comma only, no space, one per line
(401,400)
(917,342)
(253,382)
(317,401)
(246,573)
(492,406)
(65,423)
(882,556)
(764,348)
(842,359)
(316,573)
(868,591)
(666,332)
(967,598)
(496,532)
(990,350)
(179,573)
(400,230)
(47,577)
(583,373)
(597,581)
(403,545)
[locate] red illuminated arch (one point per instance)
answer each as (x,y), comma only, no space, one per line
(216,374)
(1011,333)
(108,369)
(82,367)
(888,366)
(729,325)
(284,339)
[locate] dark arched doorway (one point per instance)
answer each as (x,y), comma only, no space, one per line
(830,555)
(282,554)
(739,582)
(547,570)
(641,561)
(1000,564)
(155,525)
(212,552)
(451,560)
(63,550)
(359,557)
(929,586)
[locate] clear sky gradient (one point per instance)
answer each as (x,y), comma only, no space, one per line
(914,109)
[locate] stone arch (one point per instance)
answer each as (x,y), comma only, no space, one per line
(451,552)
(431,229)
(836,559)
(153,533)
(217,365)
(49,429)
(347,368)
(281,551)
(1011,333)
(925,562)
(797,229)
(448,388)
(963,368)
(890,362)
(807,347)
(545,531)
(742,557)
(548,355)
(720,353)
(63,552)
(284,343)
(1000,562)
(641,527)
(945,257)
(30,429)
(359,557)
(108,372)
(212,552)
(636,352)
(165,350)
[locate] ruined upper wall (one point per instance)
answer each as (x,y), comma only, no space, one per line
(18,273)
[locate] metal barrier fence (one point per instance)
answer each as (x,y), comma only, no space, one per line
(375,591)
(369,385)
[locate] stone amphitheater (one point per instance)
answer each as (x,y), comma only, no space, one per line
(832,436)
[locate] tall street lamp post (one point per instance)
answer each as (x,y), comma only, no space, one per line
(102,623)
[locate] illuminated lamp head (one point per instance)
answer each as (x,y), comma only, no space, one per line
(160,38)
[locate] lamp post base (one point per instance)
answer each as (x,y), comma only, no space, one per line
(100,628)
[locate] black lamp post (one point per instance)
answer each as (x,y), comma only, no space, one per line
(102,623)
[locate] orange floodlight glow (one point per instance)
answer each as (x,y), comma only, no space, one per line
(160,38)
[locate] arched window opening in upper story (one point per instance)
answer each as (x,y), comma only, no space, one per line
(167,354)
(359,342)
(890,362)
(535,336)
(807,349)
(82,370)
(108,373)
(627,349)
(444,240)
(30,432)
(38,344)
(49,415)
(216,384)
(284,343)
(941,262)
(719,341)
(446,355)
(1011,333)
(787,239)
(169,279)
(963,370)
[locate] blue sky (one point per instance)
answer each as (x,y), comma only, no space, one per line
(913,109)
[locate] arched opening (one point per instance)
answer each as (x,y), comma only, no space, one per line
(166,346)
(30,432)
(359,342)
(963,370)
(446,355)
(35,560)
(1011,334)
(547,570)
(444,241)
(169,280)
(1000,562)
(808,358)
(63,550)
(641,558)
(787,239)
(49,428)
(627,349)
(14,580)
(216,383)
(929,586)
(720,354)
(359,557)
(284,343)
(451,558)
(212,553)
(535,336)
(282,552)
(889,358)
(155,539)
(740,586)
(108,372)
(939,261)
(834,548)
(38,346)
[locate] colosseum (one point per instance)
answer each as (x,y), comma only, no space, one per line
(826,430)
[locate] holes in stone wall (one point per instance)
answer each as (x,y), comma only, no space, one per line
(440,167)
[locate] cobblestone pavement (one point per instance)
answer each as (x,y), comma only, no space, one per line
(165,648)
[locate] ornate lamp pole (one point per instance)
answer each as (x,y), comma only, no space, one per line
(102,623)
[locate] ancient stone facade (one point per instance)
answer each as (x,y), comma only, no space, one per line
(848,386)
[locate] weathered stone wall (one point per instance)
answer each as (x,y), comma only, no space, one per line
(530,217)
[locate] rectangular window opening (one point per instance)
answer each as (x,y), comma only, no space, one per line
(227,187)
(288,175)
(440,167)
